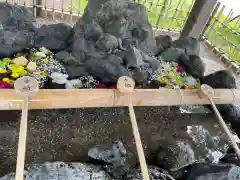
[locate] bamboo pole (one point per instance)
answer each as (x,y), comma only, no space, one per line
(126,85)
(86,98)
(208,92)
(27,87)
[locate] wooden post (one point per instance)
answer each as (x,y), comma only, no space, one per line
(126,85)
(27,87)
(198,18)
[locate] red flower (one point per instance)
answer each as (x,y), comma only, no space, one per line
(4,85)
(112,87)
(101,86)
(179,69)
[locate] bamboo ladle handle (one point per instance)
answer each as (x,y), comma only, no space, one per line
(207,91)
(27,87)
(126,85)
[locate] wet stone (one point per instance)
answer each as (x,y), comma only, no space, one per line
(16,17)
(76,71)
(189,44)
(163,42)
(220,79)
(107,42)
(155,173)
(214,171)
(112,157)
(54,37)
(61,170)
(62,56)
(106,70)
(172,54)
(192,65)
(175,155)
(133,58)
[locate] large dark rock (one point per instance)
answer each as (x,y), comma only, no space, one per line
(172,54)
(76,71)
(60,170)
(16,29)
(120,18)
(140,76)
(193,65)
(62,56)
(107,70)
(153,63)
(15,41)
(128,42)
(114,27)
(84,49)
(224,79)
(220,79)
(163,42)
(112,157)
(214,172)
(191,45)
(231,157)
(92,30)
(54,37)
(174,155)
(107,42)
(133,58)
(231,113)
(15,17)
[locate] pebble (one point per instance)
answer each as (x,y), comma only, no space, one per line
(21,61)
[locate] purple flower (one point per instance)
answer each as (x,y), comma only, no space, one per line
(176,87)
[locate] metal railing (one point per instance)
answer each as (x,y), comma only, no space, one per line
(223,33)
(169,15)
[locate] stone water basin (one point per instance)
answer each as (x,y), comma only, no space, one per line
(67,134)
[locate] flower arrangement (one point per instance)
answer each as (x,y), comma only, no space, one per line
(172,76)
(38,63)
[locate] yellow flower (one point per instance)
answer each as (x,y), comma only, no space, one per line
(13,66)
(17,70)
(6,80)
(45,60)
(44,73)
(15,75)
(6,59)
(3,71)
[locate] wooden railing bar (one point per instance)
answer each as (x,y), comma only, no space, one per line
(86,98)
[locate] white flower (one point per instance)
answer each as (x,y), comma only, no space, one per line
(40,54)
(59,78)
(73,84)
